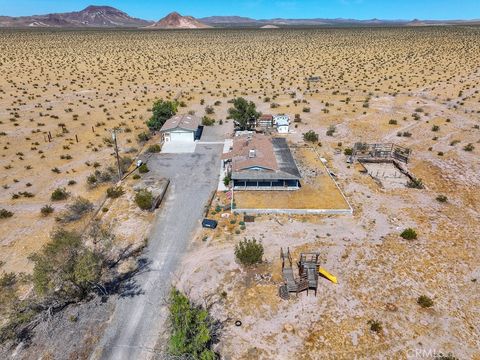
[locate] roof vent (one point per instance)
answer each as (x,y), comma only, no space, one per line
(252,153)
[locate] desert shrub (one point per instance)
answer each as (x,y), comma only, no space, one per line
(156,148)
(143,169)
(249,252)
(192,329)
(348,151)
(409,234)
(469,147)
(306,109)
(46,210)
(392,122)
(209,110)
(207,121)
(114,192)
(4,214)
(435,128)
(415,183)
(424,301)
(136,177)
(143,137)
(441,198)
(310,136)
(76,210)
(144,199)
(375,325)
(59,194)
(65,268)
(331,130)
(71,182)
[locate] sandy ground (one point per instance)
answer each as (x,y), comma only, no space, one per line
(418,77)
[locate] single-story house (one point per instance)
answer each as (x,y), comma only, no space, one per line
(265,121)
(260,162)
(181,128)
(282,122)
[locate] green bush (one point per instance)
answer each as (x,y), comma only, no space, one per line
(226,180)
(469,147)
(310,136)
(249,252)
(65,268)
(115,192)
(331,130)
(144,199)
(348,151)
(59,194)
(46,210)
(424,301)
(5,214)
(192,329)
(392,122)
(409,234)
(207,121)
(143,169)
(375,326)
(441,198)
(156,148)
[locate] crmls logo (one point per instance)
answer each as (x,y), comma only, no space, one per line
(426,354)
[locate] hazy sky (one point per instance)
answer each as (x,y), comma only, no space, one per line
(357,9)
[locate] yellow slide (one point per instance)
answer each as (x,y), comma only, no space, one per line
(327,275)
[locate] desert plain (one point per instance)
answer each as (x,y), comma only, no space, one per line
(63,92)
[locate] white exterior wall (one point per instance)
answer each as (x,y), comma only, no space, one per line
(282,129)
(180,136)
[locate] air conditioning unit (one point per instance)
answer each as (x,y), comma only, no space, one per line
(251,154)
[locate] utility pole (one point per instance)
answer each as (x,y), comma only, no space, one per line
(114,137)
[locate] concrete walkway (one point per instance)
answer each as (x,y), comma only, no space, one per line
(179,147)
(140,314)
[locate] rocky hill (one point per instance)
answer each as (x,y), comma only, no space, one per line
(91,16)
(176,21)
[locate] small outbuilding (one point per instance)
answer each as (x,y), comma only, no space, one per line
(282,122)
(181,128)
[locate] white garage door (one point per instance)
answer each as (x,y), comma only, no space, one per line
(181,136)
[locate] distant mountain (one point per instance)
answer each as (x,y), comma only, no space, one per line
(176,21)
(91,16)
(109,17)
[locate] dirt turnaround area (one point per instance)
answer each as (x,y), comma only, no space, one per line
(62,93)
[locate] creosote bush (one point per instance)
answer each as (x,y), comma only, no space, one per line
(249,252)
(143,169)
(46,210)
(409,234)
(375,326)
(441,198)
(144,199)
(114,192)
(5,214)
(59,194)
(154,148)
(415,183)
(424,301)
(310,136)
(76,210)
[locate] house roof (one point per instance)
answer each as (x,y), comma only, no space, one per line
(260,157)
(183,122)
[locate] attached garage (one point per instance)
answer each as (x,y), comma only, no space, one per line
(179,135)
(180,128)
